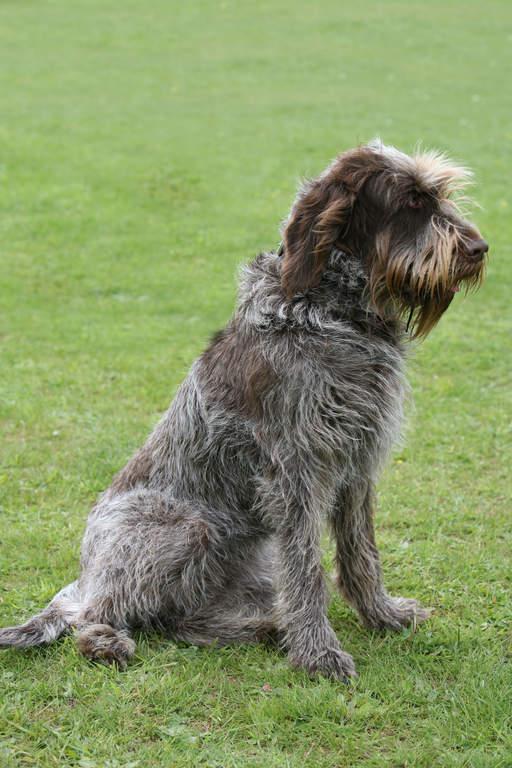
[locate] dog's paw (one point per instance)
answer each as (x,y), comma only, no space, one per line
(104,644)
(396,613)
(329,662)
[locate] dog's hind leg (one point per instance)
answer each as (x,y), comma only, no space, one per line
(104,643)
(149,560)
(245,612)
(224,626)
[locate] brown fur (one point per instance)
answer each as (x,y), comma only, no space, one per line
(135,473)
(230,354)
(367,203)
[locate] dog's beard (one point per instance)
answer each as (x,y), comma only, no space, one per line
(418,282)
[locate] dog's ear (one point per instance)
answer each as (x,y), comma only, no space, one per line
(318,218)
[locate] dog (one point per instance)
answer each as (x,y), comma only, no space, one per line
(211,532)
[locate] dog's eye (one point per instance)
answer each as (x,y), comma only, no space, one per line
(415,202)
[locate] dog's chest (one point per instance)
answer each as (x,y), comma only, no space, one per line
(361,400)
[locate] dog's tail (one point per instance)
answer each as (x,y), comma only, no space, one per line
(54,621)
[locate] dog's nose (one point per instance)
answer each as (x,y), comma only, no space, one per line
(477,249)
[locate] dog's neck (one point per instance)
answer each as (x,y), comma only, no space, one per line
(348,271)
(345,270)
(341,295)
(346,294)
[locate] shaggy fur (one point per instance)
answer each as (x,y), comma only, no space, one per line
(211,533)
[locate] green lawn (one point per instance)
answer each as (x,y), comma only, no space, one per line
(146,150)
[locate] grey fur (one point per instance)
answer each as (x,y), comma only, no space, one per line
(211,533)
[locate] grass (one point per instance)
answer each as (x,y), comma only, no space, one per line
(147,149)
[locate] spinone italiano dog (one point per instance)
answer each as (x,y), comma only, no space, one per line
(211,532)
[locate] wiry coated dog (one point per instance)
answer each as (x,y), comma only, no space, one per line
(212,530)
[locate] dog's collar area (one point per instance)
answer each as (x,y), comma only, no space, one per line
(337,259)
(343,271)
(349,270)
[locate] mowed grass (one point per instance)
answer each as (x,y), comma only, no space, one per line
(148,149)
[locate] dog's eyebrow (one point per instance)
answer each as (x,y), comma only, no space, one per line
(433,169)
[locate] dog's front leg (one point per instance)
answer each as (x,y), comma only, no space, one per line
(358,564)
(310,640)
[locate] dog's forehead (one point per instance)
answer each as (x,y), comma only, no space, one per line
(431,170)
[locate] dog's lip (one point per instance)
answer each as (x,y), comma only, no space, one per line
(455,288)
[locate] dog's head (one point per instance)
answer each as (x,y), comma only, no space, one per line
(398,214)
